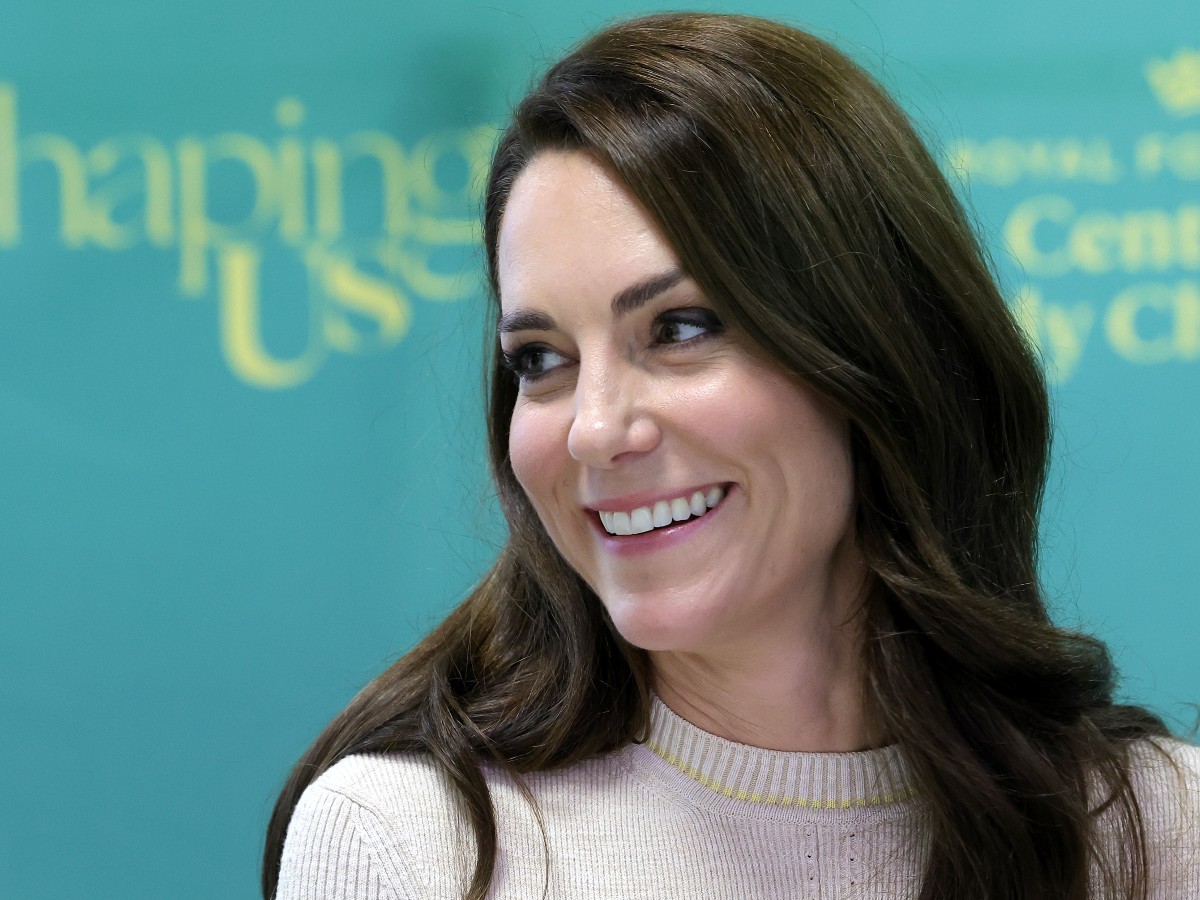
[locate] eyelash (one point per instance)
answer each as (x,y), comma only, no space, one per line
(694,316)
(518,361)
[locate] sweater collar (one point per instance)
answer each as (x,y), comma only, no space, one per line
(799,780)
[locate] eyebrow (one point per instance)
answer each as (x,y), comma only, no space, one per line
(638,295)
(624,302)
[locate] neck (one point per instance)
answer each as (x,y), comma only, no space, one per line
(804,690)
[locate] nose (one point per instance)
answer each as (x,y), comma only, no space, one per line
(613,418)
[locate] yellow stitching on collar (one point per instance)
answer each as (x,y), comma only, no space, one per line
(774,800)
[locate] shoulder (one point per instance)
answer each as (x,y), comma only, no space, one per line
(1165,775)
(374,820)
(400,788)
(398,818)
(1166,779)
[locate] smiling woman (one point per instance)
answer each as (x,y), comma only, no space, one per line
(636,408)
(771,450)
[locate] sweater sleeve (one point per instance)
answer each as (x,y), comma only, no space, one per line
(1170,796)
(337,848)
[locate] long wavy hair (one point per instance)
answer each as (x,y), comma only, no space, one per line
(800,199)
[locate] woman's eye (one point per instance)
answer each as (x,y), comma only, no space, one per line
(531,362)
(682,326)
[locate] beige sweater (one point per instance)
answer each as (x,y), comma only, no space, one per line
(686,815)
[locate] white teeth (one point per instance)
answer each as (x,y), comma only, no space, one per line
(663,513)
(640,520)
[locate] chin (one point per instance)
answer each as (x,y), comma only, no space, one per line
(645,624)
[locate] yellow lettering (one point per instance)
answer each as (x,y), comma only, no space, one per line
(67,159)
(153,186)
(1187,319)
(238,268)
(393,174)
(1102,166)
(1188,234)
(467,149)
(1127,334)
(467,154)
(1146,241)
(1148,154)
(1071,159)
(1092,242)
(199,231)
(1005,158)
(1020,234)
(1175,154)
(1184,156)
(1060,332)
(357,292)
(327,189)
(411,262)
(1005,161)
(1099,241)
(1067,328)
(225,199)
(293,214)
(10,195)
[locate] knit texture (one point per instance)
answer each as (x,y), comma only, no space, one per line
(685,815)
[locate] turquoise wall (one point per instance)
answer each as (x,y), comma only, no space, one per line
(240,449)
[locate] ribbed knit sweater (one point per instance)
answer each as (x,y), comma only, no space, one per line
(685,815)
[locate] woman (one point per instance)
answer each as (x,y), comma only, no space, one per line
(771,451)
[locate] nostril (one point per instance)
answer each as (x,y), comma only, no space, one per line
(608,427)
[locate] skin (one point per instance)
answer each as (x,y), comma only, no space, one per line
(748,613)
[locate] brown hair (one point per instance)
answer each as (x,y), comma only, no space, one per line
(799,198)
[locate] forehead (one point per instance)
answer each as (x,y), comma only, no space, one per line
(570,229)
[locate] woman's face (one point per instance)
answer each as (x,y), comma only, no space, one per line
(704,496)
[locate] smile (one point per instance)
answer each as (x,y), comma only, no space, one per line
(662,513)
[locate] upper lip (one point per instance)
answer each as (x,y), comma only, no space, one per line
(630,502)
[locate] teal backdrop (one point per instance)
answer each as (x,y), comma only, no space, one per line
(241,461)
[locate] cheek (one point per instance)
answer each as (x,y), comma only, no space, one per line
(535,450)
(804,438)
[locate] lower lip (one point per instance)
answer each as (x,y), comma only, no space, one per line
(657,538)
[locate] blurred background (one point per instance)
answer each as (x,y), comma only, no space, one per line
(241,455)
